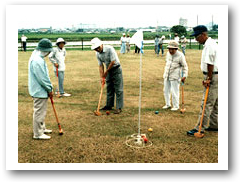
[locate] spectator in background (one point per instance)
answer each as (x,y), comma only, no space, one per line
(128,43)
(137,49)
(123,43)
(161,41)
(156,44)
(177,39)
(183,42)
(23,42)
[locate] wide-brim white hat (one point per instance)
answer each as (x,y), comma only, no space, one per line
(95,43)
(173,44)
(60,40)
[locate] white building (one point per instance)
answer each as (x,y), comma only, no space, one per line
(183,22)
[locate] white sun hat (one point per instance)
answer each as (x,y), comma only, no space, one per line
(60,40)
(95,43)
(173,44)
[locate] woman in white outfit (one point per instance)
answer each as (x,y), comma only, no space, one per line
(175,63)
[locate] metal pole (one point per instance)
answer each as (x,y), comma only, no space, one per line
(190,43)
(140,93)
(82,44)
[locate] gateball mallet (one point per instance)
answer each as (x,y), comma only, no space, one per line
(58,123)
(97,112)
(182,99)
(199,134)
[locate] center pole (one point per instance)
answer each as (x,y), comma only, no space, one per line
(140,93)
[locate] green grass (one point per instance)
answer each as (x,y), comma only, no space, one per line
(35,37)
(89,138)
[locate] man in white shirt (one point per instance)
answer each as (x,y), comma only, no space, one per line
(123,43)
(107,55)
(183,42)
(209,67)
(23,40)
(177,39)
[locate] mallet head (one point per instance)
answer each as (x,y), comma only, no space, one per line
(183,110)
(97,113)
(199,135)
(60,132)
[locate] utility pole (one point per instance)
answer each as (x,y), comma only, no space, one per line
(212,22)
(197,19)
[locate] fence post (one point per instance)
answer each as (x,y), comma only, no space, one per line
(82,44)
(190,43)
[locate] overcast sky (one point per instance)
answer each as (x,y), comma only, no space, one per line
(115,15)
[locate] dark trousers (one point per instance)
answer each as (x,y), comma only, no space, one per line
(24,46)
(137,50)
(114,86)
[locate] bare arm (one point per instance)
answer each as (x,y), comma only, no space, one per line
(210,76)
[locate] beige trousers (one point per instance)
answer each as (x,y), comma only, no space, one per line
(211,108)
(40,108)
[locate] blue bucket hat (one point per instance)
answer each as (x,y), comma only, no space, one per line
(198,30)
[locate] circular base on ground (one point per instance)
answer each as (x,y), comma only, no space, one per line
(136,141)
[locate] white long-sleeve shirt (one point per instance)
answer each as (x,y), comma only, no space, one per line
(174,64)
(58,56)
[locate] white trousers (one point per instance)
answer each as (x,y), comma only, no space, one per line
(40,108)
(172,87)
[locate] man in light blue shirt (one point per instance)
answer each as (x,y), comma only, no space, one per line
(40,87)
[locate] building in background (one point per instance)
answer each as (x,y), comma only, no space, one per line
(183,22)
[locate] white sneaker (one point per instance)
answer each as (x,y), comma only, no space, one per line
(47,131)
(166,107)
(174,109)
(42,137)
(66,95)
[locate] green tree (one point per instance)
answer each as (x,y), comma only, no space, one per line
(179,29)
(215,28)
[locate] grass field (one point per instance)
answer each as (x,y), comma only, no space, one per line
(35,37)
(92,139)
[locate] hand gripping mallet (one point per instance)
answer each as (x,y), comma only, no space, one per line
(97,112)
(199,134)
(58,92)
(182,99)
(59,126)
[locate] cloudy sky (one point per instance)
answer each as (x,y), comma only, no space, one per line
(115,15)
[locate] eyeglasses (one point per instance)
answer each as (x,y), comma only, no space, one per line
(198,36)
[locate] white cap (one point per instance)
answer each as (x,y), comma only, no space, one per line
(123,33)
(95,43)
(163,37)
(60,40)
